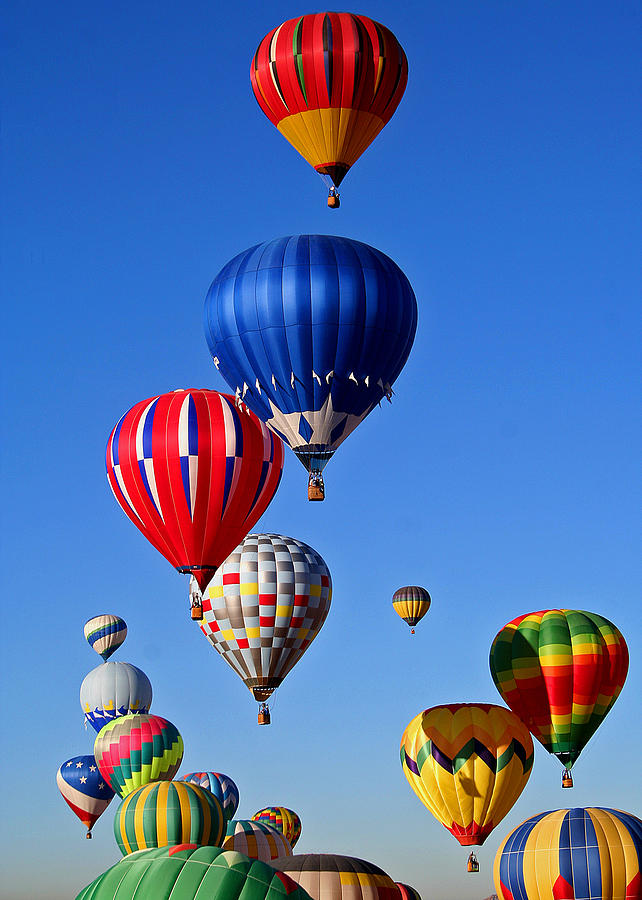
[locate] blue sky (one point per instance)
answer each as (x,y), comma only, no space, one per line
(136,163)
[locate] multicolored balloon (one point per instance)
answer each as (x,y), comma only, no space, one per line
(468,763)
(265,606)
(256,840)
(407,892)
(560,671)
(311,331)
(411,603)
(222,786)
(327,876)
(84,789)
(105,634)
(134,750)
(114,689)
(193,472)
(188,872)
(168,812)
(283,819)
(591,853)
(329,82)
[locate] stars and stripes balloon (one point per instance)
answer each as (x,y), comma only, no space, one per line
(134,750)
(311,331)
(329,82)
(588,853)
(264,607)
(163,813)
(468,763)
(411,603)
(114,689)
(560,671)
(283,819)
(84,789)
(105,634)
(188,872)
(256,840)
(194,471)
(222,786)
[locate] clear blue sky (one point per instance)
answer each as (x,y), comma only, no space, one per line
(136,163)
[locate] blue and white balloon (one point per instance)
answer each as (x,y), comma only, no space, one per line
(114,689)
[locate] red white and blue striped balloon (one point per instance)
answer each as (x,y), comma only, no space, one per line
(105,634)
(194,470)
(84,789)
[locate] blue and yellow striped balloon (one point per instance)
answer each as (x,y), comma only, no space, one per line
(166,813)
(105,634)
(571,854)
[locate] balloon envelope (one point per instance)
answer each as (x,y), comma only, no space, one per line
(256,840)
(134,750)
(264,607)
(560,671)
(84,789)
(328,876)
(590,853)
(105,634)
(168,812)
(411,603)
(329,82)
(114,689)
(222,786)
(194,473)
(407,892)
(311,331)
(283,819)
(468,763)
(188,872)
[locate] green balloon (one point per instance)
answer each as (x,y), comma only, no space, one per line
(185,870)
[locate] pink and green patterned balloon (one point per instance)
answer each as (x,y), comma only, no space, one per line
(133,750)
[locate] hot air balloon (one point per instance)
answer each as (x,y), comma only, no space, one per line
(468,763)
(256,840)
(591,853)
(283,819)
(168,812)
(407,892)
(311,331)
(194,472)
(328,876)
(189,872)
(222,786)
(263,608)
(560,671)
(329,82)
(411,604)
(105,634)
(84,789)
(114,689)
(134,750)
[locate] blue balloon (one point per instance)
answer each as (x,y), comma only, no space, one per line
(311,332)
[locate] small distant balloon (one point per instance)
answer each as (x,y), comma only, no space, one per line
(222,786)
(84,789)
(105,634)
(411,603)
(256,840)
(407,892)
(283,819)
(114,689)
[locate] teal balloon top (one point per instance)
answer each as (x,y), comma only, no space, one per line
(186,871)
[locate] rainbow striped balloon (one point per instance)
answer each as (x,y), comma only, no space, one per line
(133,750)
(165,813)
(571,854)
(283,819)
(256,840)
(560,671)
(468,763)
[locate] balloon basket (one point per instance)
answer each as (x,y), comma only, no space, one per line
(196,612)
(334,201)
(264,717)
(472,865)
(316,487)
(88,835)
(567,779)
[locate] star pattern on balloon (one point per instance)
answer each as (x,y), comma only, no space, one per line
(321,422)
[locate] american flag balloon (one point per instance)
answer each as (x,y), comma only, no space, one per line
(84,789)
(194,470)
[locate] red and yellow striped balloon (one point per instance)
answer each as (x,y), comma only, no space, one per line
(165,813)
(283,819)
